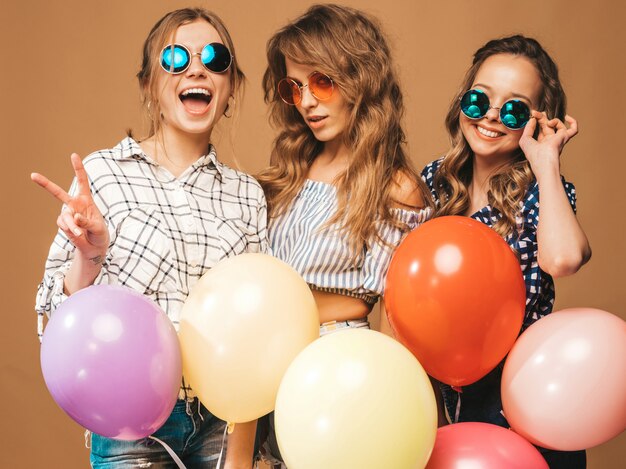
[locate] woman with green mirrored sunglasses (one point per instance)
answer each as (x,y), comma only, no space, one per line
(508,128)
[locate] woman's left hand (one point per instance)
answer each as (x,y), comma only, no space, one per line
(543,153)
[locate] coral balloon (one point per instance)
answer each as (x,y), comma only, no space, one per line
(455,297)
(111,360)
(484,446)
(241,326)
(563,382)
(355,398)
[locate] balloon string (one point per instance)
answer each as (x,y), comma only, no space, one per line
(457,412)
(171,452)
(200,410)
(219,460)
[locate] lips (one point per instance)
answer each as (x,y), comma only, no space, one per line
(487,133)
(316,122)
(196,100)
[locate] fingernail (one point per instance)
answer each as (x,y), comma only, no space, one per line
(77,232)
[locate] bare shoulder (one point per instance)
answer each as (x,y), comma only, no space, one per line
(405,191)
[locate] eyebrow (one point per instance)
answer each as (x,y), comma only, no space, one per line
(515,95)
(307,77)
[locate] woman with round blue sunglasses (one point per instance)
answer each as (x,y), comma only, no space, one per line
(507,131)
(150,214)
(215,57)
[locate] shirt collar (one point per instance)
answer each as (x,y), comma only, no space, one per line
(130,149)
(210,160)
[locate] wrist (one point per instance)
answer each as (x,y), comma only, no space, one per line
(82,272)
(547,174)
(97,260)
(92,258)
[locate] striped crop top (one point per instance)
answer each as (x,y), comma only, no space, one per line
(322,255)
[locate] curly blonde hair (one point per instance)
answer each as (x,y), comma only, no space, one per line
(348,46)
(508,185)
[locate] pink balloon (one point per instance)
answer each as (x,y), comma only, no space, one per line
(564,382)
(111,360)
(482,445)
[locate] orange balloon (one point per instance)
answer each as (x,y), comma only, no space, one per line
(455,297)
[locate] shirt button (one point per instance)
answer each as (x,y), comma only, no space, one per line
(193,264)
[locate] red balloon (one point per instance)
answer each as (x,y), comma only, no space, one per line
(455,297)
(484,446)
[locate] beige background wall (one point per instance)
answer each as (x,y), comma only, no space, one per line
(67,84)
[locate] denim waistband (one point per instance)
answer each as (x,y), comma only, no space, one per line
(332,326)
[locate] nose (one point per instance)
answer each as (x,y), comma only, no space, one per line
(493,114)
(196,67)
(308,100)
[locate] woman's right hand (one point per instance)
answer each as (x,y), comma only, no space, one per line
(80,219)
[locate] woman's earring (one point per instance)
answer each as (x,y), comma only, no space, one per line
(226,114)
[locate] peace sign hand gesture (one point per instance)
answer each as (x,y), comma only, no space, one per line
(80,219)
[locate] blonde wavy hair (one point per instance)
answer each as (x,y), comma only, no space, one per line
(160,35)
(508,185)
(348,46)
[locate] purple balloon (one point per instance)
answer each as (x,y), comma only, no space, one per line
(111,360)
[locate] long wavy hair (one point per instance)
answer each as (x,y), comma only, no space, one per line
(160,35)
(348,46)
(508,185)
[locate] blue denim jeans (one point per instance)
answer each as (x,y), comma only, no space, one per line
(481,402)
(191,431)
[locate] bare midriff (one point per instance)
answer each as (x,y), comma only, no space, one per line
(337,307)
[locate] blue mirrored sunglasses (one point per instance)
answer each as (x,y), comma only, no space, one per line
(176,58)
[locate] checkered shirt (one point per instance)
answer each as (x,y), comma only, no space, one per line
(165,231)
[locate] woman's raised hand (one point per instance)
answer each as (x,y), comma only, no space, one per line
(80,219)
(543,152)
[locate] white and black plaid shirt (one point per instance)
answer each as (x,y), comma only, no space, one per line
(165,231)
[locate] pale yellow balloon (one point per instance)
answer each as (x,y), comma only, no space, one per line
(355,399)
(241,326)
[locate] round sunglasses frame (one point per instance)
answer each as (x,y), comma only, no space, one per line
(499,109)
(191,56)
(301,86)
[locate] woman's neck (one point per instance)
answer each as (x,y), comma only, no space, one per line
(485,167)
(335,150)
(176,151)
(482,170)
(333,160)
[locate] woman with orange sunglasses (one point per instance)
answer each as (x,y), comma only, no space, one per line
(341,191)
